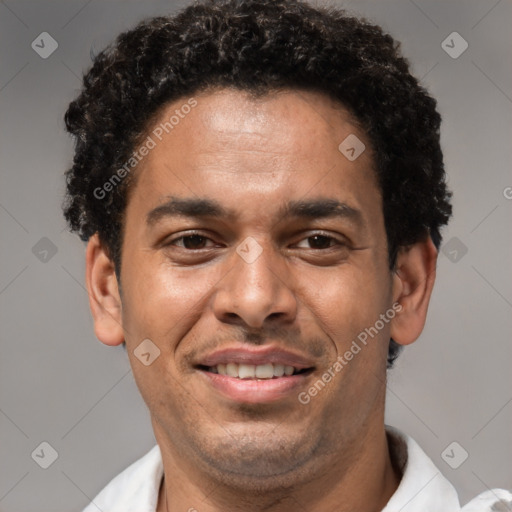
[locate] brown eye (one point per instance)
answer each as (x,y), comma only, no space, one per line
(319,242)
(194,242)
(191,242)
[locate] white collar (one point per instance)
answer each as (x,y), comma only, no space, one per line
(422,488)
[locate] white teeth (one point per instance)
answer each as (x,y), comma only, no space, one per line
(251,371)
(246,371)
(265,371)
(278,370)
(232,369)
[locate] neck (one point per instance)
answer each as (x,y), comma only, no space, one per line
(366,484)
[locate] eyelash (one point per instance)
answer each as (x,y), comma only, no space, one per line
(198,234)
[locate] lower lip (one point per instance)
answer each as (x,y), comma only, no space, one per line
(256,391)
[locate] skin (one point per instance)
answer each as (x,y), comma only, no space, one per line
(313,296)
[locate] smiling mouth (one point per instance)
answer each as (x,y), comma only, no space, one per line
(267,371)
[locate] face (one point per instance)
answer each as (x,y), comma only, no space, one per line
(253,245)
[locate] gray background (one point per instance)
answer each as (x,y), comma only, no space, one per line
(60,385)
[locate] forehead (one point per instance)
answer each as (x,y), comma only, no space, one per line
(224,142)
(237,117)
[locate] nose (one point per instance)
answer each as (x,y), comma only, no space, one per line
(255,292)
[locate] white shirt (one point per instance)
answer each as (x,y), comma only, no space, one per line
(422,488)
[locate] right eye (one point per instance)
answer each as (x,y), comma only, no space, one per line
(193,241)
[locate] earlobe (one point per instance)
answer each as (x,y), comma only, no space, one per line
(412,287)
(104,296)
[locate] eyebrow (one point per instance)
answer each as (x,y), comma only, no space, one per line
(188,207)
(319,208)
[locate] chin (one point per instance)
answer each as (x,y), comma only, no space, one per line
(256,459)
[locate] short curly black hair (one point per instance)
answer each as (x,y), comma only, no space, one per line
(258,46)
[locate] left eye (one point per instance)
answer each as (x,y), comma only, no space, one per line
(319,242)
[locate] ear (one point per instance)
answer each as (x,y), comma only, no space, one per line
(104,296)
(413,282)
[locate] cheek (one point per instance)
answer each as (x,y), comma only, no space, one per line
(349,299)
(160,299)
(160,303)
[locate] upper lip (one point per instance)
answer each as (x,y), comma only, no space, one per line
(256,356)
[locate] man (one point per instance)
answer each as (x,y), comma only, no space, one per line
(262,190)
